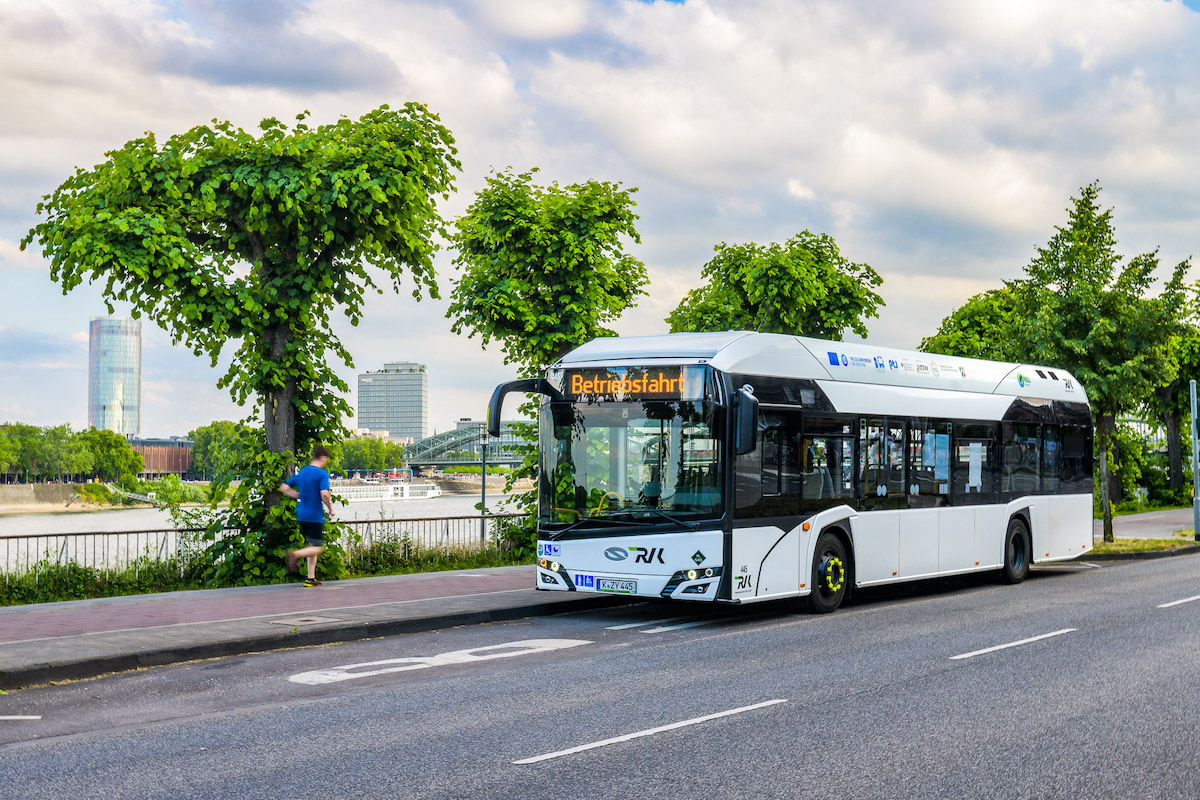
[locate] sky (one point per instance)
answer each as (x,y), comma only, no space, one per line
(939,141)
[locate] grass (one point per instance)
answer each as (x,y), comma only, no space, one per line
(1181,539)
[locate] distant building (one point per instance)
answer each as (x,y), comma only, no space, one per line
(171,456)
(395,399)
(115,374)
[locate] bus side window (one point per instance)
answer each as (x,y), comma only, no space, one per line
(976,465)
(1051,457)
(826,463)
(768,484)
(928,463)
(1076,459)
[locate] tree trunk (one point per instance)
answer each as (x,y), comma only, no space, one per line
(1105,424)
(1171,423)
(279,410)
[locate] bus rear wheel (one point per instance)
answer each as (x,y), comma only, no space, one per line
(830,574)
(1017,551)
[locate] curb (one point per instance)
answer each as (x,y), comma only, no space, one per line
(1143,555)
(36,674)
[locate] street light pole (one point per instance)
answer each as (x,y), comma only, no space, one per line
(483,443)
(1195,470)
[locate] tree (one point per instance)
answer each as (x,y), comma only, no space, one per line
(544,270)
(9,451)
(1082,310)
(804,286)
(64,453)
(220,236)
(1170,401)
(219,447)
(112,457)
(979,328)
(371,453)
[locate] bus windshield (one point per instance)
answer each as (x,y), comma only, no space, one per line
(639,462)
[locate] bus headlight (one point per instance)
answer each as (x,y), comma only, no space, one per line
(692,574)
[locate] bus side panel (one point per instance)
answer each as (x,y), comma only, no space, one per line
(876,546)
(1039,515)
(1070,527)
(956,539)
(764,562)
(919,543)
(991,523)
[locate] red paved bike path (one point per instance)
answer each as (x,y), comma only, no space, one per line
(50,620)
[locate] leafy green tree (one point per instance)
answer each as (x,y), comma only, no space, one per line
(544,270)
(371,453)
(1170,402)
(221,235)
(112,456)
(980,328)
(804,286)
(64,453)
(9,451)
(219,447)
(1083,310)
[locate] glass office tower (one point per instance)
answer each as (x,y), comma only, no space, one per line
(115,374)
(395,399)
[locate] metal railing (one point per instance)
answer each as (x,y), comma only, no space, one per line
(371,543)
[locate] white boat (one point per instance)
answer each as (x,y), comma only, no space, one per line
(357,492)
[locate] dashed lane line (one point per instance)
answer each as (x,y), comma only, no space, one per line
(680,626)
(974,653)
(3,719)
(650,732)
(628,625)
(1179,602)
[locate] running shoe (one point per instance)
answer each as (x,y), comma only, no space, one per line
(311,582)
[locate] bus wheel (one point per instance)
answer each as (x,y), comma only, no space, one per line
(830,574)
(1016,552)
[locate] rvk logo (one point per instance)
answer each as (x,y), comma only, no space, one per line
(647,556)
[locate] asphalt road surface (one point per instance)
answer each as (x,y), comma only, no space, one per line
(1080,683)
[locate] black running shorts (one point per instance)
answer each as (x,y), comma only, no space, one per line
(314,533)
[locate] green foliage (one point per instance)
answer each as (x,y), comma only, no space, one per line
(543,267)
(95,493)
(1080,308)
(804,286)
(51,581)
(9,451)
(219,446)
(370,453)
(112,456)
(221,235)
(980,328)
(543,271)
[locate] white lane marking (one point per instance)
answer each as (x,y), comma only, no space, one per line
(16,718)
(640,624)
(650,732)
(348,672)
(1012,644)
(662,628)
(1179,602)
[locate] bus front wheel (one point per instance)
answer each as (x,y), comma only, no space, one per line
(1017,552)
(830,574)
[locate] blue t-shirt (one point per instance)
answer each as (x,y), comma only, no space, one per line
(310,482)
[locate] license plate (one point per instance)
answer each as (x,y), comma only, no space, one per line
(612,585)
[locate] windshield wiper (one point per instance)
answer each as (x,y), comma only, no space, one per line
(691,526)
(552,535)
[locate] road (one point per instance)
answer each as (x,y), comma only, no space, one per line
(1079,683)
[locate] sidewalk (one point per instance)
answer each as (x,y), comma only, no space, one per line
(84,638)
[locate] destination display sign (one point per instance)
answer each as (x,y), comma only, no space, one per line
(634,383)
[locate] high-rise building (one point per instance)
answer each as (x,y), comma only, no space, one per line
(115,374)
(395,399)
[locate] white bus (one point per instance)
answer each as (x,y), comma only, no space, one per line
(740,467)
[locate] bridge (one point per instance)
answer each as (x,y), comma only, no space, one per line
(461,447)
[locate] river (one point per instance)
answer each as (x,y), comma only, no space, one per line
(143,519)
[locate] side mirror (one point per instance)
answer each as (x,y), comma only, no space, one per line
(746,422)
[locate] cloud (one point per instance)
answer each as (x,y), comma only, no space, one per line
(534,19)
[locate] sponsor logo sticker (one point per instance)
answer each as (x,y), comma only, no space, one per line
(833,358)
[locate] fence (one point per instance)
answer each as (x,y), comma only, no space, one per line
(370,543)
